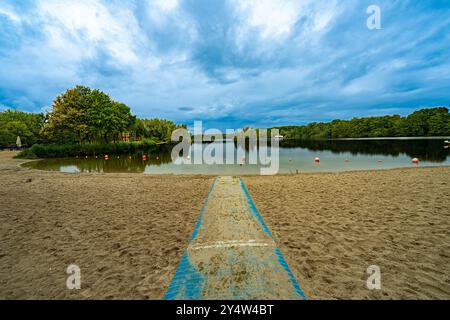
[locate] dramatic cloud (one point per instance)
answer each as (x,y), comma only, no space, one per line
(229,63)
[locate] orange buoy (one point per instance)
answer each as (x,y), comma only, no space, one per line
(157,158)
(379,161)
(347,161)
(317,160)
(415,161)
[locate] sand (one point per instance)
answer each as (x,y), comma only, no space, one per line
(126,232)
(332,227)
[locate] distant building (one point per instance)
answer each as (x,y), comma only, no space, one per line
(125,137)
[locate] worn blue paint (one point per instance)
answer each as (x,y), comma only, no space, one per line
(285,266)
(199,222)
(278,253)
(187,282)
(254,210)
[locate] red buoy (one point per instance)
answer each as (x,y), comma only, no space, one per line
(144,157)
(129,157)
(415,161)
(317,160)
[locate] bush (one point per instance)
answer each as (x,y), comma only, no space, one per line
(90,149)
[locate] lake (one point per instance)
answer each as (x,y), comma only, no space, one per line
(295,156)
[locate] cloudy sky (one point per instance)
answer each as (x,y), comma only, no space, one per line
(229,63)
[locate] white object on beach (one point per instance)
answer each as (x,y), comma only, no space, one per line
(18,142)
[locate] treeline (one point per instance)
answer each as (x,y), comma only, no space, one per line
(82,116)
(422,123)
(27,126)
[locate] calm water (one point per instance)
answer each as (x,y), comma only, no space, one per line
(295,156)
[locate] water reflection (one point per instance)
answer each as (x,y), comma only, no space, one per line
(131,164)
(431,150)
(295,156)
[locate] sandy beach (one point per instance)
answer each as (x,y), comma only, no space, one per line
(332,227)
(127,232)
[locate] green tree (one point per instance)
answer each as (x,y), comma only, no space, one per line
(425,122)
(84,115)
(159,129)
(67,122)
(439,122)
(23,124)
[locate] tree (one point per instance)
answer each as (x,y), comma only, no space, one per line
(159,129)
(67,122)
(23,124)
(83,115)
(439,122)
(425,122)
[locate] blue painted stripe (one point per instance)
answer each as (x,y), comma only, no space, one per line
(187,283)
(199,222)
(254,210)
(278,253)
(294,282)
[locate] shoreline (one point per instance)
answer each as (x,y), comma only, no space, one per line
(214,175)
